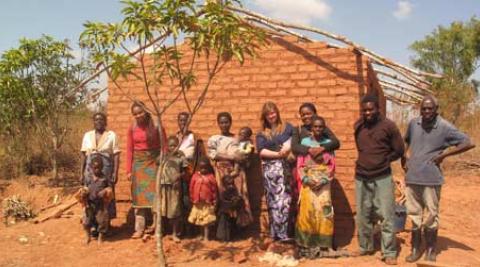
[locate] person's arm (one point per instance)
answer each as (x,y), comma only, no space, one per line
(396,143)
(454,138)
(129,159)
(297,147)
(116,165)
(83,163)
(404,159)
(334,144)
(267,153)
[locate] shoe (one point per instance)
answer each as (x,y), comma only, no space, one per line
(416,242)
(431,243)
(137,235)
(391,261)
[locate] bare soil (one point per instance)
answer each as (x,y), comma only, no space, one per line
(60,242)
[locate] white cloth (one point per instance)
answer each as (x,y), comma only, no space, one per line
(222,144)
(108,143)
(187,146)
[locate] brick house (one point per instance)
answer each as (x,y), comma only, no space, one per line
(287,72)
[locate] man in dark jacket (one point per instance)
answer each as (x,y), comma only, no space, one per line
(378,144)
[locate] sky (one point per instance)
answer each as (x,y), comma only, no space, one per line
(387,27)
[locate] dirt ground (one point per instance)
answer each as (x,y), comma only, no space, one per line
(59,242)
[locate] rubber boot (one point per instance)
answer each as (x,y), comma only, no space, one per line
(416,242)
(431,244)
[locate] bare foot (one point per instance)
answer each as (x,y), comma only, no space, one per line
(175,239)
(100,238)
(137,235)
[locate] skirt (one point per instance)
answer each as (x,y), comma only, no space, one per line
(202,214)
(314,227)
(171,201)
(144,178)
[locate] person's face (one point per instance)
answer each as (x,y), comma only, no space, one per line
(224,124)
(272,117)
(97,168)
(203,168)
(244,135)
(182,122)
(139,114)
(172,145)
(369,111)
(306,115)
(99,122)
(317,128)
(428,110)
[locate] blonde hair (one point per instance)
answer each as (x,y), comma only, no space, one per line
(267,108)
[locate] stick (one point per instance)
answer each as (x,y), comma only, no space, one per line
(56,212)
(339,38)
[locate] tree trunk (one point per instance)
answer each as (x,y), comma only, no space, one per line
(158,229)
(54,157)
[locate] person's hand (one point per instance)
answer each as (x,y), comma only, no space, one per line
(315,151)
(438,160)
(177,185)
(403,161)
(234,174)
(283,153)
(129,176)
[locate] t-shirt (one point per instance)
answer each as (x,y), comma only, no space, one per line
(424,146)
(173,166)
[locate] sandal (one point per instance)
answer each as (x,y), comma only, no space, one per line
(137,235)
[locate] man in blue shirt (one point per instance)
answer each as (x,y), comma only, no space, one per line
(427,137)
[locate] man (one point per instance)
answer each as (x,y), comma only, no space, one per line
(427,137)
(378,143)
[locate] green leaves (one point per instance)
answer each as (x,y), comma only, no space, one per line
(453,51)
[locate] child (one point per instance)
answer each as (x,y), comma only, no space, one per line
(231,202)
(203,195)
(173,170)
(245,149)
(96,196)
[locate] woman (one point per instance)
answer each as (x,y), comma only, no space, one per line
(307,111)
(103,143)
(223,151)
(188,145)
(143,148)
(314,226)
(273,144)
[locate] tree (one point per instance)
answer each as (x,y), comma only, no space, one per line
(210,31)
(34,92)
(453,51)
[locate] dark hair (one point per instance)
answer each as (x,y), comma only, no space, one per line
(96,159)
(248,130)
(172,137)
(99,114)
(183,113)
(205,161)
(318,118)
(224,114)
(370,98)
(308,105)
(140,104)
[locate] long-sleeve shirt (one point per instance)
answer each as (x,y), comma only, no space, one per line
(304,131)
(378,144)
(203,188)
(137,141)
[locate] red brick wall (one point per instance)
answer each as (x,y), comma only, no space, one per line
(287,72)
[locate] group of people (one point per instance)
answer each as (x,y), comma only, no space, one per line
(209,189)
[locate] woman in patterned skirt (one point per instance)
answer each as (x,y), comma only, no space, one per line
(273,144)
